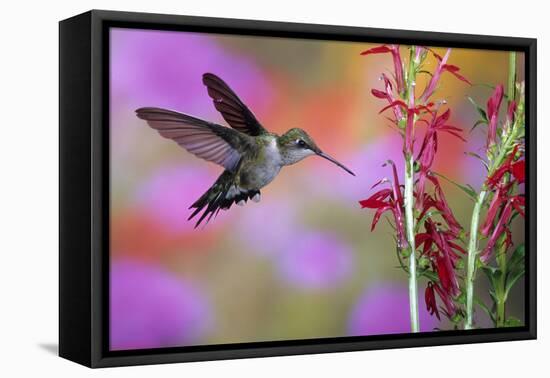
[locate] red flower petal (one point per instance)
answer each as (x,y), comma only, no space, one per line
(499,229)
(518,170)
(454,70)
(421,238)
(506,166)
(396,103)
(377,50)
(443,118)
(376,200)
(494,207)
(517,202)
(379,93)
(450,307)
(493,104)
(429,297)
(398,68)
(396,187)
(436,55)
(430,88)
(457,247)
(511,111)
(378,214)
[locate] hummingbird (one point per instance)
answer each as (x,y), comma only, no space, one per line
(251,155)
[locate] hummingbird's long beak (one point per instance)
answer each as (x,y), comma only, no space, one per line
(329,158)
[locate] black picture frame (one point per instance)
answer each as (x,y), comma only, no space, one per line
(84,188)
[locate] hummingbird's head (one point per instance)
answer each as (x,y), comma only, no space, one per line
(296,144)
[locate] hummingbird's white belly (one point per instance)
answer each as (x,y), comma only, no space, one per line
(266,169)
(257,173)
(264,174)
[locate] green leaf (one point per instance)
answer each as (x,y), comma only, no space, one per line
(473,154)
(517,259)
(432,276)
(479,264)
(493,297)
(425,72)
(515,214)
(485,308)
(516,268)
(479,109)
(512,278)
(428,214)
(456,318)
(493,274)
(423,262)
(461,298)
(466,189)
(471,189)
(479,122)
(512,322)
(398,253)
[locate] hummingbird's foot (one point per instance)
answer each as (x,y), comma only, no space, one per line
(257,197)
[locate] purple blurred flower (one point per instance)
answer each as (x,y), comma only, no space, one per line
(471,169)
(315,260)
(267,238)
(384,309)
(367,165)
(168,193)
(151,308)
(164,69)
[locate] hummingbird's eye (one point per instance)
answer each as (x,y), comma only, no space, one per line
(301,143)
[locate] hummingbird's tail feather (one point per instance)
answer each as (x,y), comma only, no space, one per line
(219,197)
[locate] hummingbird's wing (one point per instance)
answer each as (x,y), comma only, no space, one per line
(233,110)
(209,141)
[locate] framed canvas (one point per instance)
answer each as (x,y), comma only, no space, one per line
(234,188)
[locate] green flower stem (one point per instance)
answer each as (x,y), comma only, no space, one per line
(511,76)
(500,291)
(472,255)
(410,227)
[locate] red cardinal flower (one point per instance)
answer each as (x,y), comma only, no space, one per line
(448,308)
(503,203)
(411,111)
(499,198)
(429,297)
(438,201)
(397,63)
(388,95)
(517,169)
(441,67)
(389,199)
(443,262)
(428,149)
(500,228)
(518,203)
(437,245)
